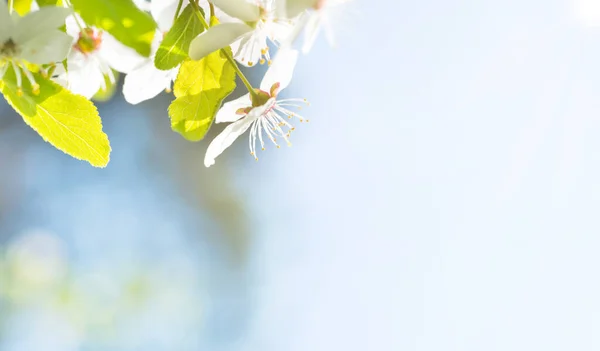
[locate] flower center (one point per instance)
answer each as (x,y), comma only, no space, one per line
(9,48)
(88,41)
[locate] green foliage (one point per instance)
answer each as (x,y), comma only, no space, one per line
(22,6)
(69,122)
(174,48)
(48,2)
(121,18)
(200,88)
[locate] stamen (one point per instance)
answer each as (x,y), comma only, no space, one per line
(3,69)
(19,79)
(35,87)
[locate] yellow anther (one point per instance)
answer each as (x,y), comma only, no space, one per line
(19,92)
(250,63)
(263,149)
(262,61)
(36,89)
(168,90)
(270,62)
(279,147)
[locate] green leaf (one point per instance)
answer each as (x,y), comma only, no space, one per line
(121,18)
(200,88)
(49,2)
(174,47)
(22,6)
(69,122)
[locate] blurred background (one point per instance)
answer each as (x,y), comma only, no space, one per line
(444,196)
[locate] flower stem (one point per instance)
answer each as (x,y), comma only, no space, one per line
(178,10)
(225,52)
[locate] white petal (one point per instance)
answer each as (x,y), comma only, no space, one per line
(248,49)
(47,47)
(294,33)
(6,23)
(85,75)
(226,138)
(281,70)
(311,31)
(240,9)
(72,26)
(163,12)
(142,4)
(227,113)
(295,7)
(278,31)
(35,23)
(118,56)
(216,38)
(145,82)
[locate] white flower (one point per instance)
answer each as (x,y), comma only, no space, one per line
(146,81)
(94,56)
(266,114)
(320,13)
(256,22)
(34,38)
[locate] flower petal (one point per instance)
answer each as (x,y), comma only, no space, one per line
(85,76)
(248,49)
(142,4)
(35,23)
(311,30)
(281,70)
(227,113)
(295,7)
(163,12)
(145,82)
(72,28)
(226,138)
(216,38)
(47,47)
(240,9)
(6,23)
(118,56)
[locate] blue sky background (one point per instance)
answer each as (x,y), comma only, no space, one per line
(444,196)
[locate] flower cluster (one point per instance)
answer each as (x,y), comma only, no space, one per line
(85,49)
